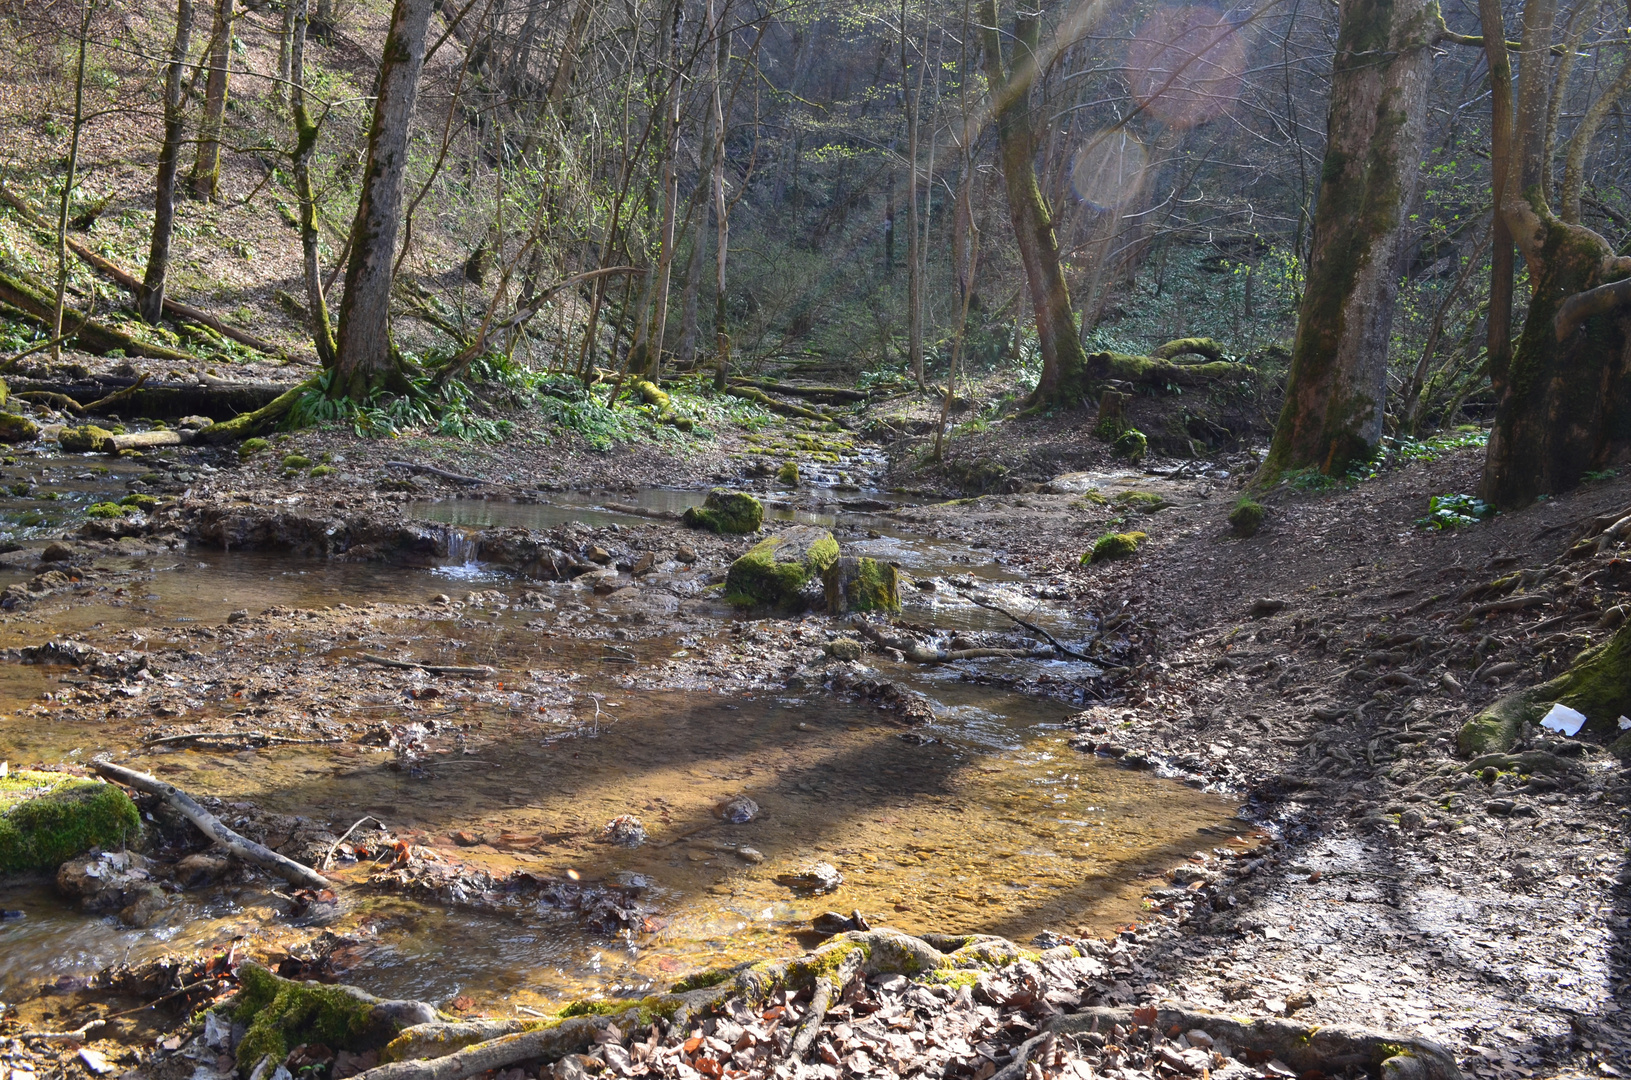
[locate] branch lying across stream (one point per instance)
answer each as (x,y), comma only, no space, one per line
(919,653)
(431,470)
(1032,627)
(211,826)
(482,672)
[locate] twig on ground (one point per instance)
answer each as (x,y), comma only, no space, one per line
(431,470)
(1032,627)
(332,848)
(481,672)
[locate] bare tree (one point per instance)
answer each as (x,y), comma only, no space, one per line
(206,174)
(150,299)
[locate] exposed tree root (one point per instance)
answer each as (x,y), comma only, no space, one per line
(919,653)
(246,424)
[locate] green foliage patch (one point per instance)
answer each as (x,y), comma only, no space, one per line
(1454,512)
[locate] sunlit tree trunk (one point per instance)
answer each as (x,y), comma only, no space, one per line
(1063,359)
(914,271)
(305,143)
(206,174)
(1565,402)
(365,359)
(150,300)
(280,89)
(722,221)
(1337,388)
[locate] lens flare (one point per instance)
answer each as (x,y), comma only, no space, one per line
(1108,171)
(1185,65)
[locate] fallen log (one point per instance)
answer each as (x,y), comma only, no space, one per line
(431,470)
(141,440)
(919,653)
(92,336)
(128,281)
(211,826)
(167,400)
(764,400)
(1032,627)
(482,672)
(827,394)
(246,424)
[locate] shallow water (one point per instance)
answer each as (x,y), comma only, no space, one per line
(984,821)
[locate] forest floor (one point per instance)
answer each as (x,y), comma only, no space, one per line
(1317,672)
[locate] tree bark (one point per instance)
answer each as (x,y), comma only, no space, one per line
(206,174)
(285,56)
(306,133)
(722,221)
(1565,403)
(365,361)
(1063,358)
(150,297)
(1337,388)
(914,271)
(68,182)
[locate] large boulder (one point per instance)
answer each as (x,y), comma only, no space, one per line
(48,818)
(726,511)
(17,429)
(861,584)
(783,571)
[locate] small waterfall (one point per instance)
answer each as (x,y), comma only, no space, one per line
(462,548)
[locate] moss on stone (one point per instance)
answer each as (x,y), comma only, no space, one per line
(727,512)
(1247,517)
(282,1014)
(1114,546)
(1145,501)
(323,470)
(1131,444)
(17,429)
(862,584)
(297,461)
(48,818)
(250,447)
(87,438)
(788,474)
(777,569)
(106,510)
(140,502)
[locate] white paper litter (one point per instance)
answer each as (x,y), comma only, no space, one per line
(1564,720)
(1625,723)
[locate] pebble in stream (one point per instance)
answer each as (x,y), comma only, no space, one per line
(738,809)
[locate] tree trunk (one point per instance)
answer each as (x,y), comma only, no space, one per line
(305,143)
(722,221)
(914,275)
(568,65)
(365,360)
(285,57)
(322,19)
(68,182)
(1063,358)
(1565,402)
(1338,384)
(206,175)
(654,331)
(150,298)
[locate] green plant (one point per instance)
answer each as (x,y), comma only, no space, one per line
(1454,512)
(106,510)
(1247,517)
(1598,475)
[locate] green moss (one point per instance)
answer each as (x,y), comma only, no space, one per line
(48,818)
(140,502)
(17,429)
(297,461)
(1131,444)
(1247,517)
(862,584)
(662,406)
(250,447)
(106,510)
(703,979)
(593,1008)
(724,511)
(324,470)
(788,474)
(956,978)
(1146,501)
(282,1014)
(1598,684)
(1114,546)
(87,438)
(776,570)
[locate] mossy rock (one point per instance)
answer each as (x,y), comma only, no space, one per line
(281,1014)
(778,569)
(1114,546)
(324,470)
(861,584)
(106,510)
(297,461)
(1147,502)
(1131,444)
(1598,684)
(140,502)
(85,439)
(17,429)
(725,511)
(788,474)
(250,447)
(48,818)
(1247,517)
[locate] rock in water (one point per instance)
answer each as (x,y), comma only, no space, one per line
(726,512)
(861,584)
(738,809)
(816,877)
(625,829)
(780,569)
(17,429)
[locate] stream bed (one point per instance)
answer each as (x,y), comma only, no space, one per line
(984,820)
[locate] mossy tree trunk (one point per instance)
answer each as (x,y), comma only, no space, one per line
(365,361)
(1063,358)
(1564,405)
(305,143)
(1338,383)
(206,174)
(150,298)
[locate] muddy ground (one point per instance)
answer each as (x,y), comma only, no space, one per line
(1317,671)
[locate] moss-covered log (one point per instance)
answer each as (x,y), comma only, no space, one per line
(661,403)
(1197,346)
(1338,382)
(92,336)
(1598,684)
(262,419)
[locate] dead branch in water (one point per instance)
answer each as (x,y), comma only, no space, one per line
(1032,627)
(482,672)
(919,653)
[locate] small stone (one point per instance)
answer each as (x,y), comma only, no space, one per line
(200,869)
(56,552)
(598,554)
(1500,807)
(145,908)
(686,554)
(843,649)
(1264,607)
(644,563)
(238,616)
(441,598)
(625,830)
(750,855)
(95,1062)
(738,809)
(815,877)
(466,838)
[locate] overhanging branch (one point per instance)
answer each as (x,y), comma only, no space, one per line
(1593,302)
